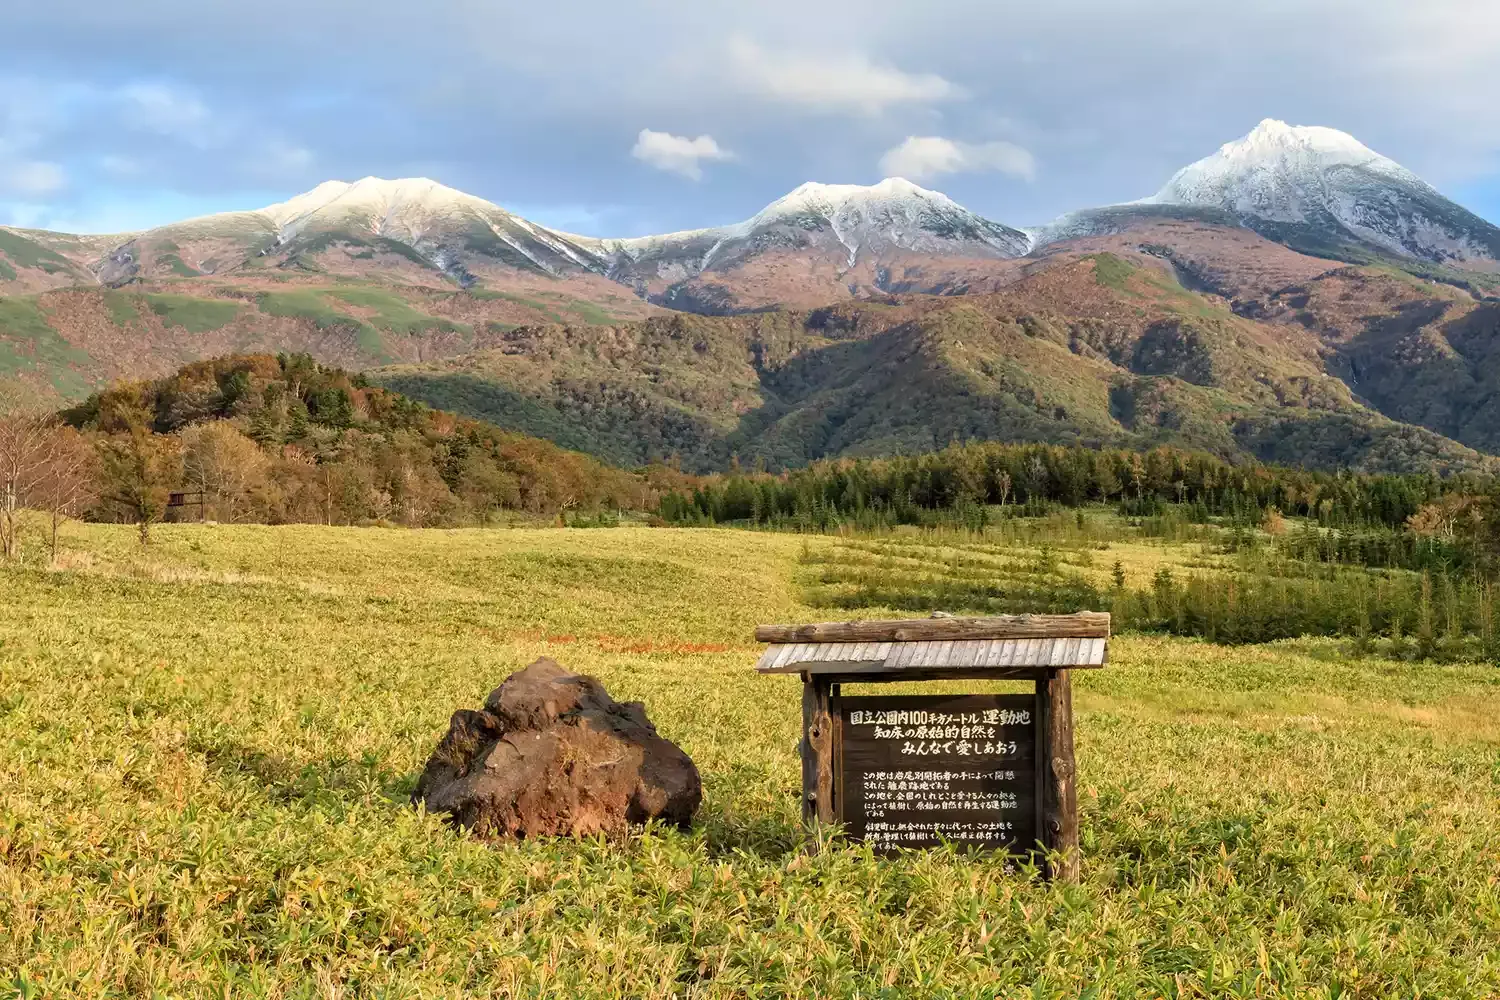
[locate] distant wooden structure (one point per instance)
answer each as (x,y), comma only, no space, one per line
(874,765)
(187,498)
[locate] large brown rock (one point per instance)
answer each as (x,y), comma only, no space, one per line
(553,753)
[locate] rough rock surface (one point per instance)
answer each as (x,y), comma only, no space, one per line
(552,753)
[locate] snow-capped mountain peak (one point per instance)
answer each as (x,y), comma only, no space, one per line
(1312,188)
(893,213)
(1273,138)
(1278,172)
(894,194)
(404,207)
(854,220)
(1323,189)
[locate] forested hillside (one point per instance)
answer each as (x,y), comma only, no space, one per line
(278,439)
(1100,350)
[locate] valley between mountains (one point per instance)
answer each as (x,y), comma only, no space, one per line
(1293,297)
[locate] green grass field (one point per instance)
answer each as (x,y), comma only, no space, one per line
(206,750)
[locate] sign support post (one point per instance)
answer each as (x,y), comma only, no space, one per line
(817,750)
(1059,790)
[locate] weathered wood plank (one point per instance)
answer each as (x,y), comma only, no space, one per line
(805,748)
(836,754)
(1059,789)
(822,739)
(883,671)
(883,657)
(844,675)
(1083,625)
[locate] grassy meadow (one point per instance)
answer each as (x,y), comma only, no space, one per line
(206,750)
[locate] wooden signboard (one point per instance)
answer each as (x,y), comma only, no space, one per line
(990,772)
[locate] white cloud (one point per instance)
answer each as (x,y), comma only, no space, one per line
(833,83)
(677,153)
(31,178)
(930,156)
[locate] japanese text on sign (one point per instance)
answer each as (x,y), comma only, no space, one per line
(917,771)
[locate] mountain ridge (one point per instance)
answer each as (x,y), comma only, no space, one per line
(1317,190)
(855,319)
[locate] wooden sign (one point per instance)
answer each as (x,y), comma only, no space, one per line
(916,771)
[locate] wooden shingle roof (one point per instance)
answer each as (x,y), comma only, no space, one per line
(1005,642)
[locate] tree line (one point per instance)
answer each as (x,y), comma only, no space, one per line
(962,479)
(1421,522)
(284,439)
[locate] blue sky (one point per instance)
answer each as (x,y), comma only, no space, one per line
(621,119)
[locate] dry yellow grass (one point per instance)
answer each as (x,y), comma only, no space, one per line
(205,752)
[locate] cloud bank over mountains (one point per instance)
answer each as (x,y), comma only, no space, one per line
(109,113)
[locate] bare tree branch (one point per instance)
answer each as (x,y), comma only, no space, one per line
(70,483)
(25,440)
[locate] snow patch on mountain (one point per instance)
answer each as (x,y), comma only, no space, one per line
(517,246)
(287,212)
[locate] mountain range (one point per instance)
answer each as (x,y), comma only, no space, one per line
(1293,296)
